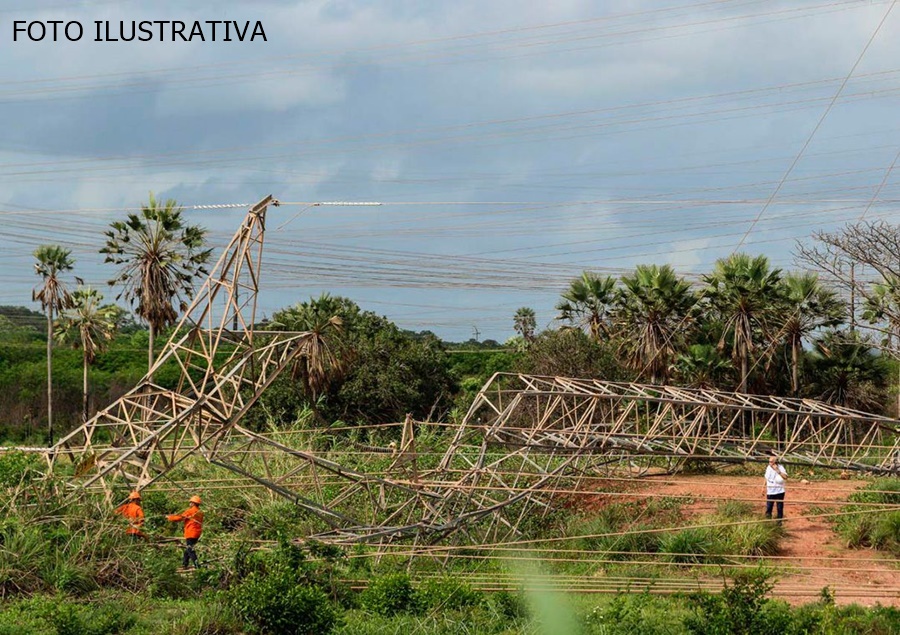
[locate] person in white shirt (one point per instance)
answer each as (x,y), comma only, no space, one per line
(775,477)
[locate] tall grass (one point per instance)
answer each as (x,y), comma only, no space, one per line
(870,525)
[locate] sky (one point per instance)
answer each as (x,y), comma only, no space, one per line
(511,144)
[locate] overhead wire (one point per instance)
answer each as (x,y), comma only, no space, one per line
(818,125)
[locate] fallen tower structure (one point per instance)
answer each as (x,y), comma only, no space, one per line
(526,445)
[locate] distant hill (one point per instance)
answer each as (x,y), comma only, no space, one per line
(24,317)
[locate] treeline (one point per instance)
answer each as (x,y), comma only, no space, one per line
(23,376)
(821,332)
(745,326)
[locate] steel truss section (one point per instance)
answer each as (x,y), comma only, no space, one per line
(223,364)
(602,419)
(527,445)
(531,444)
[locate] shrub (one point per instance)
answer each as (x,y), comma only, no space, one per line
(688,545)
(759,539)
(390,594)
(210,616)
(872,526)
(734,510)
(447,594)
(886,533)
(643,613)
(622,537)
(18,468)
(105,619)
(280,605)
(512,606)
(885,491)
(275,521)
(739,609)
(162,577)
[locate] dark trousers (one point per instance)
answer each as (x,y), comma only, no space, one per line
(776,500)
(190,556)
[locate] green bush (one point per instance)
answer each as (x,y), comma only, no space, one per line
(741,608)
(886,533)
(868,526)
(18,468)
(644,614)
(734,510)
(471,621)
(447,594)
(512,606)
(279,604)
(609,530)
(688,545)
(68,576)
(275,521)
(885,491)
(162,580)
(209,616)
(390,594)
(757,539)
(105,619)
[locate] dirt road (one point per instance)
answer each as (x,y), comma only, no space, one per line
(812,555)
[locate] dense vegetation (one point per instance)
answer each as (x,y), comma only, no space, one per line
(67,567)
(740,330)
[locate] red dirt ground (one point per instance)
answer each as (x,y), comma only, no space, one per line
(813,555)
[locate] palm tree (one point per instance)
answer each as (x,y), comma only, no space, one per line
(588,303)
(846,371)
(746,295)
(52,261)
(702,366)
(652,317)
(160,257)
(808,306)
(89,326)
(883,305)
(320,357)
(525,323)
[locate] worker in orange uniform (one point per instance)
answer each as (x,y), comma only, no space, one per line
(192,518)
(134,513)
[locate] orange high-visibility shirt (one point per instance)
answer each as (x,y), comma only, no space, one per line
(135,515)
(193,521)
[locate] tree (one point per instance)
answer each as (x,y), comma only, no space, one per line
(318,361)
(160,257)
(882,310)
(89,326)
(588,303)
(842,254)
(863,246)
(571,353)
(808,307)
(653,317)
(373,371)
(525,323)
(746,295)
(52,261)
(846,371)
(702,366)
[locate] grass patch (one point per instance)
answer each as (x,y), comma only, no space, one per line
(869,526)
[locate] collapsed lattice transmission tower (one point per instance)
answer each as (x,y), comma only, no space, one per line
(222,363)
(527,444)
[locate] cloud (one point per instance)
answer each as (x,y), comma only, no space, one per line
(467,101)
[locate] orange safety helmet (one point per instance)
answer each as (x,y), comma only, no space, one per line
(134,496)
(195,499)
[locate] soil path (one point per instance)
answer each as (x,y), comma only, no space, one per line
(812,556)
